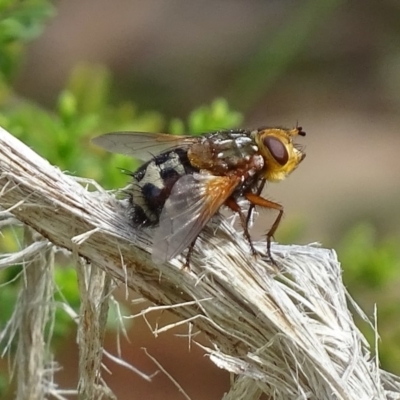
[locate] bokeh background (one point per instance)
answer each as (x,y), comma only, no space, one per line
(72,70)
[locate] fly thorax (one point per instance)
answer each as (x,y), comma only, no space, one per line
(223,151)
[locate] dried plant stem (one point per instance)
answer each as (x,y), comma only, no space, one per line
(286,332)
(32,360)
(94,286)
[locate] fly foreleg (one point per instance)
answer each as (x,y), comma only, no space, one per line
(260,201)
(234,206)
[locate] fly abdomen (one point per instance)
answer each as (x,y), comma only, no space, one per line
(152,184)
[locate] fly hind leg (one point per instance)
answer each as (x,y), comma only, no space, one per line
(189,253)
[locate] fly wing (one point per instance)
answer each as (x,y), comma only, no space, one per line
(193,201)
(141,145)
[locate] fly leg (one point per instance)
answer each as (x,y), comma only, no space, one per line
(260,201)
(186,266)
(234,206)
(252,206)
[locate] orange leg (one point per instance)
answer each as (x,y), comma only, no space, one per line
(234,206)
(257,200)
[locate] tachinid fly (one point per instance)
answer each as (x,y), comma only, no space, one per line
(186,179)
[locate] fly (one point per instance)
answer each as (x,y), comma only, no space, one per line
(185,180)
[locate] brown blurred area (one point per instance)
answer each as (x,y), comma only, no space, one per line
(338,76)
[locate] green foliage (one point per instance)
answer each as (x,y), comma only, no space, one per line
(66,282)
(208,118)
(20,22)
(83,111)
(369,261)
(3,384)
(8,292)
(9,277)
(371,269)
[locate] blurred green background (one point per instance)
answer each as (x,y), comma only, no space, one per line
(70,71)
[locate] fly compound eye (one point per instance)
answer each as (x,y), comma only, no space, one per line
(277,149)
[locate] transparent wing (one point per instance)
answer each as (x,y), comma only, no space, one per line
(141,145)
(193,201)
